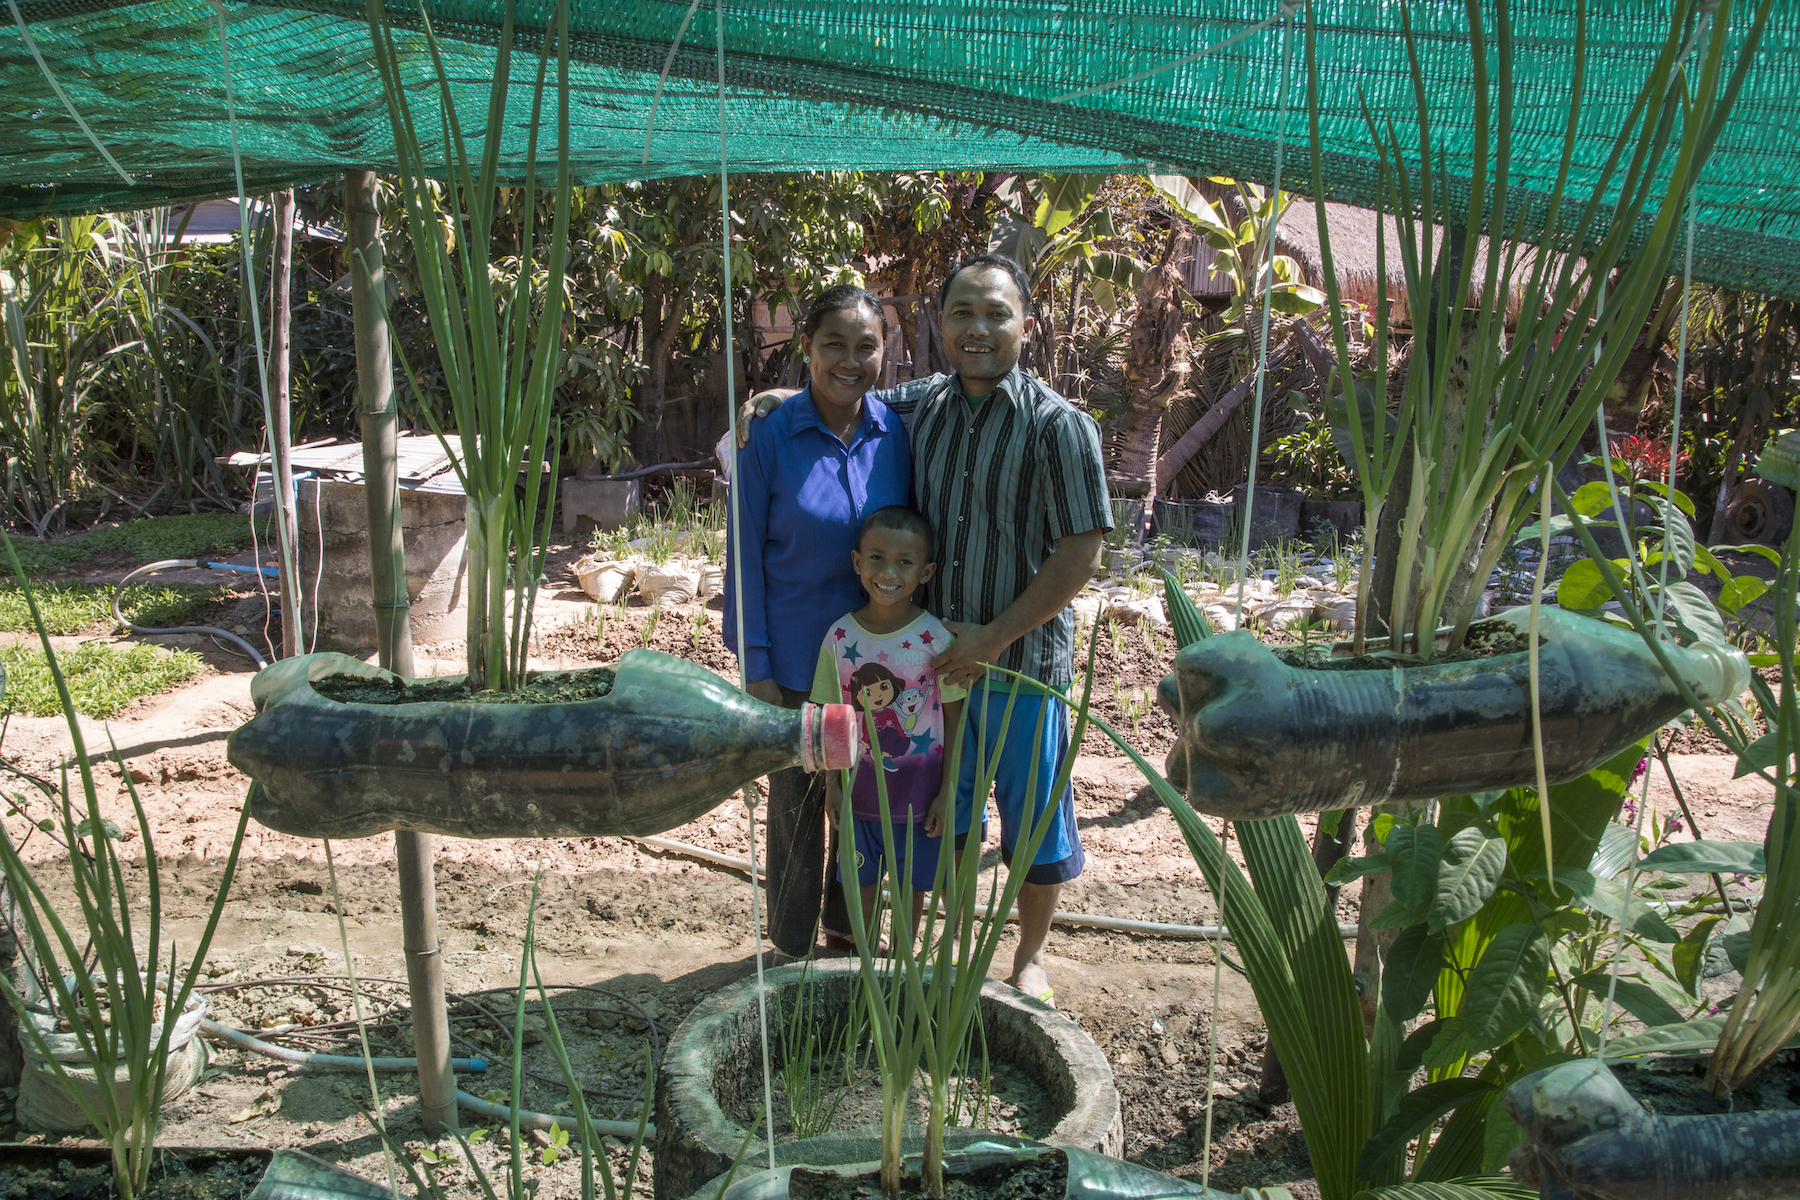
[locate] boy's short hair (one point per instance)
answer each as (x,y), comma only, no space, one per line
(905,520)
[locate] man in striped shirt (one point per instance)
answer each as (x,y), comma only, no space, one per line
(1011,478)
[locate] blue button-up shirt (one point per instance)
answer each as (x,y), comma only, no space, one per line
(801,496)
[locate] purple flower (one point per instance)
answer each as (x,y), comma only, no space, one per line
(1643,766)
(1629,810)
(1673,827)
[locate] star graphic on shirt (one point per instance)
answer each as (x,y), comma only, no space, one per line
(851,653)
(881,656)
(840,634)
(926,637)
(922,742)
(906,645)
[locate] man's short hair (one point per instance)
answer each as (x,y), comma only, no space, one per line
(995,262)
(902,519)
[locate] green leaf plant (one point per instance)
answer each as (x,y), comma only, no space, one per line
(1765,1014)
(500,348)
(118,996)
(1482,417)
(1486,942)
(1243,250)
(922,1007)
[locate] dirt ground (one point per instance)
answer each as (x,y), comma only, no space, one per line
(632,938)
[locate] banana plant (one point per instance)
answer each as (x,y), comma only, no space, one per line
(1050,222)
(1243,250)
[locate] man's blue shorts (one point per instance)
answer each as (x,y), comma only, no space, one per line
(1059,857)
(871,853)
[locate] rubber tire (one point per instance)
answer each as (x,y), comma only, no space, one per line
(1759,511)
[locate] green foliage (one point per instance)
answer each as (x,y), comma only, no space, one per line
(120,362)
(102,679)
(499,336)
(150,539)
(1244,249)
(923,1000)
(106,987)
(87,607)
(1482,416)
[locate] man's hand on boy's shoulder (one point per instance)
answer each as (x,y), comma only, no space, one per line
(760,405)
(963,662)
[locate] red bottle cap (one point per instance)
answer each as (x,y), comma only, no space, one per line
(828,740)
(839,741)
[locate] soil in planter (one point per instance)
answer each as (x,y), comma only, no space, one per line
(1036,1180)
(203,1177)
(1676,1087)
(1489,639)
(1015,1104)
(562,688)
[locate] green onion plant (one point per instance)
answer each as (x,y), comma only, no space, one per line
(923,1004)
(1481,418)
(100,979)
(501,349)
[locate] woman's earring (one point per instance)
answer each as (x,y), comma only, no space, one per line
(806,358)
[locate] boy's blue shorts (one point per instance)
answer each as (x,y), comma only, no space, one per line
(1059,857)
(871,853)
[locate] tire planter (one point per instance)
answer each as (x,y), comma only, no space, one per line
(277,1175)
(1588,1138)
(1259,738)
(714,1060)
(1088,1176)
(666,744)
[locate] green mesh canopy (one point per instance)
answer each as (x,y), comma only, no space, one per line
(834,84)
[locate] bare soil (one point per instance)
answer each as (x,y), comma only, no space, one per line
(631,938)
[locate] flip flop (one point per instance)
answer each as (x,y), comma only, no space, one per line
(1047,996)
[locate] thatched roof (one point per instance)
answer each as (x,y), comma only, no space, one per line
(1354,236)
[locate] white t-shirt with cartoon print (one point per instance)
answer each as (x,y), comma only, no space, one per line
(890,675)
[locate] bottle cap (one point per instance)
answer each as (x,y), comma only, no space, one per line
(828,740)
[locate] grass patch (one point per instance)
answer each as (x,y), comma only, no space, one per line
(150,539)
(87,607)
(103,678)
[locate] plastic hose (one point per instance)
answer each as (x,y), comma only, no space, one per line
(538,1120)
(176,563)
(324,1062)
(347,1062)
(1086,920)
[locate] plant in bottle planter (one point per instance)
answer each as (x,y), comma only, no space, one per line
(1585,1136)
(481,755)
(1451,475)
(118,999)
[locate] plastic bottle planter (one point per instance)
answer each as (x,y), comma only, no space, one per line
(1586,1138)
(1259,738)
(666,744)
(1088,1176)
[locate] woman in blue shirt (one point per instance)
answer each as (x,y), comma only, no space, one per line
(809,474)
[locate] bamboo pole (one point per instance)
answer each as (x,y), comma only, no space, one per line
(387,573)
(281,467)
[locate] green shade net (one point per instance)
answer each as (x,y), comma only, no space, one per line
(830,84)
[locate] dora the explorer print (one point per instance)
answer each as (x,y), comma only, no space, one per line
(890,676)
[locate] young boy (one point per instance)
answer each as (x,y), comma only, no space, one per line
(878,660)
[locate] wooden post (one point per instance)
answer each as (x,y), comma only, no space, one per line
(281,467)
(380,418)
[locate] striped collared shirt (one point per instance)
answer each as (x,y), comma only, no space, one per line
(1000,481)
